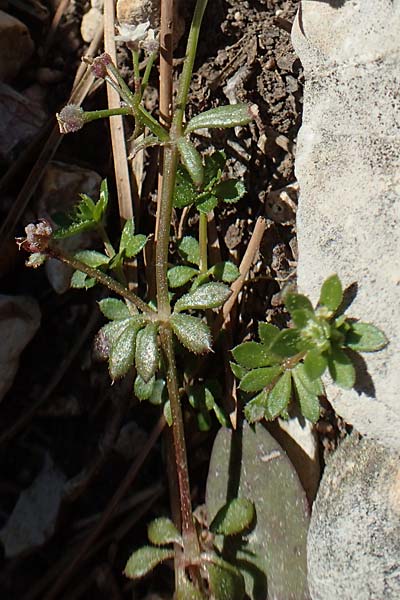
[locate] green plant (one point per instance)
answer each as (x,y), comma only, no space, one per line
(145,334)
(294,359)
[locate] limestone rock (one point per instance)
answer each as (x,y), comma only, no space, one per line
(91,21)
(347,166)
(16,46)
(19,321)
(354,537)
(134,12)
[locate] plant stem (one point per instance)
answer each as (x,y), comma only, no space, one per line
(92,115)
(103,278)
(189,535)
(203,243)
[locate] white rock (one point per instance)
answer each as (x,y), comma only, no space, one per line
(353,542)
(134,12)
(16,46)
(347,166)
(19,321)
(91,22)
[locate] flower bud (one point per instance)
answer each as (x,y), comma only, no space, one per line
(71,118)
(100,64)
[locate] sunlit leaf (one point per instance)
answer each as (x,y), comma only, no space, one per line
(256,408)
(221,117)
(207,204)
(81,280)
(279,396)
(234,517)
(143,389)
(92,258)
(192,332)
(114,309)
(210,295)
(309,402)
(225,271)
(185,192)
(315,364)
(297,302)
(147,354)
(251,355)
(180,275)
(130,243)
(123,352)
(287,343)
(191,159)
(188,248)
(162,531)
(364,337)
(331,293)
(238,370)
(214,166)
(145,559)
(226,582)
(267,333)
(341,368)
(258,379)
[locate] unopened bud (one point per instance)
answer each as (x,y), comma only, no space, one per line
(100,64)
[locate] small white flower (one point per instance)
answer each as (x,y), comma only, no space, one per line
(132,34)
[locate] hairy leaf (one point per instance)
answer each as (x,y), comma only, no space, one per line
(279,396)
(258,379)
(180,275)
(238,370)
(210,295)
(147,354)
(79,280)
(226,582)
(331,293)
(287,343)
(207,204)
(92,258)
(192,332)
(252,355)
(297,302)
(230,190)
(234,517)
(191,159)
(256,409)
(145,559)
(162,531)
(188,248)
(364,337)
(309,402)
(267,333)
(185,192)
(315,364)
(142,389)
(221,117)
(341,368)
(225,271)
(123,351)
(114,309)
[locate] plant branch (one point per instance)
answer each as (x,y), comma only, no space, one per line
(103,278)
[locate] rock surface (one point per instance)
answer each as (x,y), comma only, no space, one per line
(354,535)
(347,165)
(16,46)
(91,21)
(19,321)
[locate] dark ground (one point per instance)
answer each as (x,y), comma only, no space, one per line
(250,59)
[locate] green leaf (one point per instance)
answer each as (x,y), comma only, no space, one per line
(114,309)
(167,413)
(214,166)
(364,337)
(180,275)
(123,352)
(85,215)
(143,390)
(221,117)
(341,368)
(209,295)
(230,190)
(81,280)
(267,333)
(145,559)
(162,531)
(188,248)
(238,370)
(191,160)
(301,317)
(226,582)
(221,416)
(258,379)
(234,517)
(309,402)
(225,271)
(315,364)
(252,355)
(314,386)
(101,205)
(147,355)
(185,590)
(92,258)
(297,302)
(130,243)
(287,343)
(331,293)
(256,409)
(279,396)
(207,204)
(192,332)
(185,192)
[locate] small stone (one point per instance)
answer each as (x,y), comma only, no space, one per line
(19,321)
(16,46)
(91,22)
(354,537)
(134,12)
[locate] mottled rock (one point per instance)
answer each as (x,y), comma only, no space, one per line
(16,46)
(347,165)
(354,536)
(19,321)
(134,12)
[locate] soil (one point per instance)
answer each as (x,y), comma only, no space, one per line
(245,54)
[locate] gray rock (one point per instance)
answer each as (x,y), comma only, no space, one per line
(347,165)
(354,537)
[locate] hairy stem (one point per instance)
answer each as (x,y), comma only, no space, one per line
(203,243)
(103,278)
